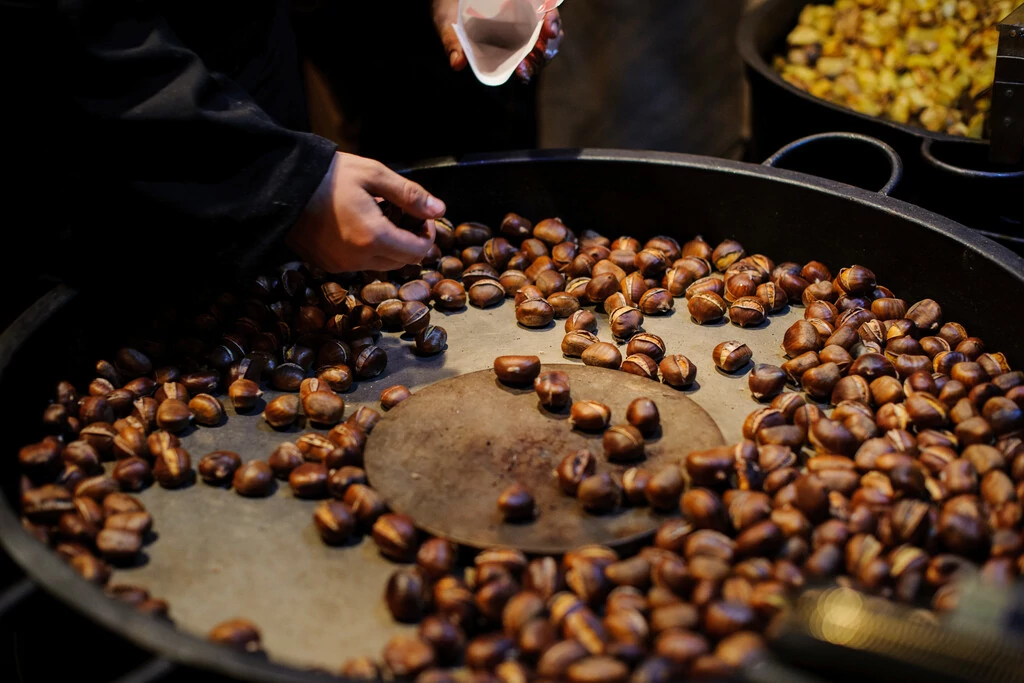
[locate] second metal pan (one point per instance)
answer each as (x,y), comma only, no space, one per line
(947,174)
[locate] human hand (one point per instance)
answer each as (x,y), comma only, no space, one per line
(342,229)
(546,48)
(446,14)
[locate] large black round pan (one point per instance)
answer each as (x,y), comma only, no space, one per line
(948,174)
(774,211)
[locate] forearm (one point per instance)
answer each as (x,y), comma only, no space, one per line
(176,160)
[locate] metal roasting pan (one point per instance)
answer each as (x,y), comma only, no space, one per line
(219,556)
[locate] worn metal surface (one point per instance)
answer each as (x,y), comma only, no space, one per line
(218,555)
(444,455)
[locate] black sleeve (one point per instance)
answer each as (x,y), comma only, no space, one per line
(174,164)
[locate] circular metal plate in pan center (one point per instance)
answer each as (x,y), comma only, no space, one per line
(445,454)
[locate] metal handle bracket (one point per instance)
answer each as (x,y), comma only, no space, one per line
(1007,114)
(895,163)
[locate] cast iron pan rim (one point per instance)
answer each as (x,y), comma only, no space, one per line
(44,567)
(753,18)
(971,239)
(163,639)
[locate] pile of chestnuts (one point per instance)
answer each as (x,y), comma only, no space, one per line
(597,492)
(886,453)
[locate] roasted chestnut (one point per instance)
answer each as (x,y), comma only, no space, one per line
(730,356)
(414,317)
(576,342)
(625,322)
(581,320)
(323,408)
(486,293)
(623,443)
(517,370)
(643,414)
(601,355)
(574,468)
(449,295)
(707,307)
(656,301)
(590,416)
(747,311)
(641,365)
(207,410)
(282,411)
(599,493)
(432,340)
(677,371)
(766,381)
(535,313)
(552,387)
(516,504)
(648,344)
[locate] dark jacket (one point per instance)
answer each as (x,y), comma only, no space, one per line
(176,128)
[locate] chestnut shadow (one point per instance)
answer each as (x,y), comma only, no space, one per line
(515,391)
(822,403)
(447,312)
(635,546)
(610,514)
(553,413)
(655,436)
(189,483)
(464,556)
(150,537)
(423,356)
(764,324)
(294,428)
(738,373)
(225,485)
(550,326)
(594,437)
(275,485)
(188,431)
(693,388)
(721,322)
(257,408)
(139,560)
(352,541)
(520,522)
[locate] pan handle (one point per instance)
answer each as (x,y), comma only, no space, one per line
(929,156)
(895,163)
